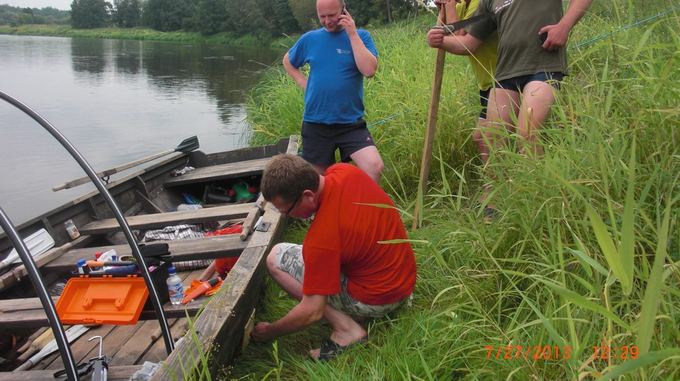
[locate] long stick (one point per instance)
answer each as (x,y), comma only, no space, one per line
(431,124)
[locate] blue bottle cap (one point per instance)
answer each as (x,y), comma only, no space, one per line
(81,262)
(171,270)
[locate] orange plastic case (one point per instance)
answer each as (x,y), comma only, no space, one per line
(105,300)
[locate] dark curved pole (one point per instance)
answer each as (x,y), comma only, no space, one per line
(48,305)
(158,307)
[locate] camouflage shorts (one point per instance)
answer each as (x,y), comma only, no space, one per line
(289,259)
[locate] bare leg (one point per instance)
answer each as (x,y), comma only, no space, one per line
(503,106)
(368,160)
(345,329)
(537,96)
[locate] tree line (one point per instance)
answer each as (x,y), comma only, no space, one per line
(15,16)
(255,17)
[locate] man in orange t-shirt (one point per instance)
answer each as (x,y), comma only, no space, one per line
(354,261)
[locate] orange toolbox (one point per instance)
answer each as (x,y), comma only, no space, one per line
(102,300)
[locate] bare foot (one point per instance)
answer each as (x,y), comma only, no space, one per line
(342,339)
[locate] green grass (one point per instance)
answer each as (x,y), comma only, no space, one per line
(586,249)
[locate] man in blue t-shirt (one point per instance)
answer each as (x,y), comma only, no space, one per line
(339,56)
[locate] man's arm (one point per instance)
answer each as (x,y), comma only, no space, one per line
(461,45)
(366,62)
(295,73)
(558,34)
(308,311)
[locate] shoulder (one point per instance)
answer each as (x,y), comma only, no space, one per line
(316,33)
(363,33)
(341,169)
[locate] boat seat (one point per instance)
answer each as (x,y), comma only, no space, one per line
(160,220)
(180,250)
(219,172)
(29,312)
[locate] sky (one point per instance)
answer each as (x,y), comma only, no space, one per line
(59,4)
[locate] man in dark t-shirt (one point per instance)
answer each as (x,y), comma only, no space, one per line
(531,61)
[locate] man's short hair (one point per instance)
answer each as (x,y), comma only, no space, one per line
(287,176)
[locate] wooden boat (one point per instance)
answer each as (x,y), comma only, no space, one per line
(149,198)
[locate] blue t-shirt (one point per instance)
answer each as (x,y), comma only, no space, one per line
(335,88)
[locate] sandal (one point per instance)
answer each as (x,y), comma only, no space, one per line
(330,349)
(490,214)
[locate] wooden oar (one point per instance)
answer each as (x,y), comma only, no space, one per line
(431,124)
(186,146)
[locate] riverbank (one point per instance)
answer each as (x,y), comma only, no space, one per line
(584,253)
(145,34)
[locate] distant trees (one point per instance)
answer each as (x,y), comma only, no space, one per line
(256,17)
(87,14)
(14,16)
(127,13)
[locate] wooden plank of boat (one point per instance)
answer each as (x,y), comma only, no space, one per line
(180,250)
(219,172)
(160,220)
(29,313)
(218,329)
(115,373)
(16,274)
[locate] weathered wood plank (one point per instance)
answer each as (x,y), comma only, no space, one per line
(16,274)
(219,172)
(219,327)
(159,220)
(116,373)
(180,250)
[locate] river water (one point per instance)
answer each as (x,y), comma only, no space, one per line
(116,101)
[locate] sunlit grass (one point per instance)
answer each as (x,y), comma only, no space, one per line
(585,251)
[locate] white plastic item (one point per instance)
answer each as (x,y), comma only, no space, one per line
(36,243)
(175,287)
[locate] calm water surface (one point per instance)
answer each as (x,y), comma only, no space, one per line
(116,101)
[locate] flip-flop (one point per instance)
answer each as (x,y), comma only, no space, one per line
(330,349)
(490,214)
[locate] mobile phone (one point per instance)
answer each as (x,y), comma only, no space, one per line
(344,10)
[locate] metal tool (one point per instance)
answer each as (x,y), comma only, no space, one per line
(100,364)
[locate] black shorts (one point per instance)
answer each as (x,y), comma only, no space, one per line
(484,101)
(319,141)
(518,83)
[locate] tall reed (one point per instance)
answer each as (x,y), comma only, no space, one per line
(586,249)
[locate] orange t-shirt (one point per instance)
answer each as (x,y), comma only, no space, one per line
(346,237)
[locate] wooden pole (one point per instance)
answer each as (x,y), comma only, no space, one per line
(431,124)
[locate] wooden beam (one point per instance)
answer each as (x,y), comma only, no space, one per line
(219,172)
(160,220)
(29,313)
(180,250)
(16,274)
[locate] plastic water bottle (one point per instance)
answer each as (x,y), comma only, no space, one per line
(175,287)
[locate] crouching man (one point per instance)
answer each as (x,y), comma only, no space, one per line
(353,263)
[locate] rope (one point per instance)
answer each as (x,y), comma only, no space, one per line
(626,27)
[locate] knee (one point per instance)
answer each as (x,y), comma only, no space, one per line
(373,166)
(272,258)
